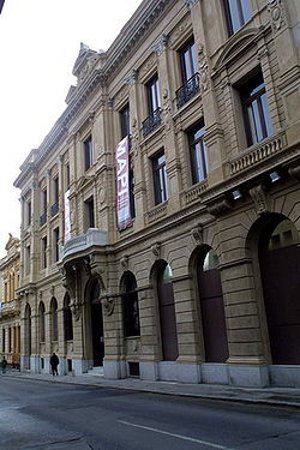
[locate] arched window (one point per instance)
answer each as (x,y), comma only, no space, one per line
(54,320)
(68,321)
(130,306)
(42,321)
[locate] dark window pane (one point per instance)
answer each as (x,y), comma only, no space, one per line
(238,13)
(160,178)
(87,153)
(257,115)
(198,154)
(124,121)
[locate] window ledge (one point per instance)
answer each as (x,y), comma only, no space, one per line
(157,212)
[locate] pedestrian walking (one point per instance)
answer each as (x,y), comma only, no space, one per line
(3,364)
(54,361)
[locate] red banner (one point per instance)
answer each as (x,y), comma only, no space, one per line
(122,181)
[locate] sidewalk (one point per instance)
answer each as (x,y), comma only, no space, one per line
(270,396)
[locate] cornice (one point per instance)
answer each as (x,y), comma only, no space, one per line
(134,31)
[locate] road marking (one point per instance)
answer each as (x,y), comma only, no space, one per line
(178,436)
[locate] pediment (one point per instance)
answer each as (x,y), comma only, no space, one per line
(83,181)
(85,60)
(236,45)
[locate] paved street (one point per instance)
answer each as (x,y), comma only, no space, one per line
(43,415)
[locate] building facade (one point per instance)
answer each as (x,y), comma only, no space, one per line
(10,320)
(161,214)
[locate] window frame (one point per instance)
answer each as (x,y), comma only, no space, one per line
(124,116)
(252,93)
(241,13)
(160,178)
(90,212)
(88,152)
(197,145)
(153,94)
(187,47)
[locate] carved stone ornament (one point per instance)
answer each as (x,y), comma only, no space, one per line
(124,262)
(156,250)
(277,14)
(132,78)
(161,45)
(75,309)
(197,234)
(220,207)
(259,198)
(108,304)
(295,172)
(190,3)
(203,69)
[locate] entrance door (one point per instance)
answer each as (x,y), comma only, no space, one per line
(167,315)
(212,309)
(97,326)
(281,286)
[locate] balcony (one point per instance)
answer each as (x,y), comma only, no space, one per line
(43,218)
(93,237)
(9,308)
(54,209)
(152,122)
(187,91)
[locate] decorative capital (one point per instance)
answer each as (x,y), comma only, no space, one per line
(132,78)
(259,198)
(190,3)
(161,45)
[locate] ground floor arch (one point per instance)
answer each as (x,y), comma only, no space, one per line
(279,260)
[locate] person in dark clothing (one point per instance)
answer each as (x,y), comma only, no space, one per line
(54,361)
(3,364)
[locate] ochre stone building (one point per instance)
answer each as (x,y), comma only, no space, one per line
(10,319)
(161,214)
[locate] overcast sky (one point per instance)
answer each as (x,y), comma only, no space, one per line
(39,42)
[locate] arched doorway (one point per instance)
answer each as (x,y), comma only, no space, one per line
(96,318)
(27,333)
(130,305)
(279,258)
(68,319)
(212,307)
(167,314)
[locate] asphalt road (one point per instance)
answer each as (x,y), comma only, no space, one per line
(41,415)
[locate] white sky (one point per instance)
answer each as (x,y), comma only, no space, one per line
(39,42)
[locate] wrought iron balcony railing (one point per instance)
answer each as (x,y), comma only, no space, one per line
(152,122)
(187,91)
(54,209)
(43,218)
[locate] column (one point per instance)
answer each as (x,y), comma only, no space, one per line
(190,348)
(135,96)
(150,343)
